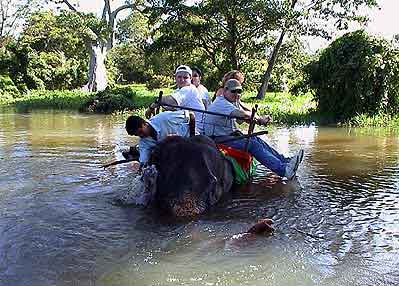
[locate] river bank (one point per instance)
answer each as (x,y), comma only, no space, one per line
(284,107)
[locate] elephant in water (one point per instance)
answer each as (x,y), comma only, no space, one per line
(186,176)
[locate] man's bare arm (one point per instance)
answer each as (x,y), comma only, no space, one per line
(246,116)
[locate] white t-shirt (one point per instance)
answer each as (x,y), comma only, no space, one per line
(204,95)
(165,123)
(188,96)
(216,125)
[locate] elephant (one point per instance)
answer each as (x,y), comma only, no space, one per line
(186,176)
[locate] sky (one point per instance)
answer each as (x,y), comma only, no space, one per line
(383,21)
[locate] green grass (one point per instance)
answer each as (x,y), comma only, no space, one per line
(378,120)
(285,108)
(48,99)
(117,99)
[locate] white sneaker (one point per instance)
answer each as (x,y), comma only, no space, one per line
(291,167)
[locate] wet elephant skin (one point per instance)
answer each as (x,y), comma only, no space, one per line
(192,175)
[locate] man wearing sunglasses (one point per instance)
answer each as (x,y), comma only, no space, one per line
(221,127)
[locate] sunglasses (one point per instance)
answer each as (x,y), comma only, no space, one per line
(236,91)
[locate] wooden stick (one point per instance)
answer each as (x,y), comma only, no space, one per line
(159,101)
(251,125)
(117,163)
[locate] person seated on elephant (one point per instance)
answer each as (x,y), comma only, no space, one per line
(220,127)
(158,127)
(186,95)
(203,91)
(233,74)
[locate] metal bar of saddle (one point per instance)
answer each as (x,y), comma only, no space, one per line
(242,137)
(199,110)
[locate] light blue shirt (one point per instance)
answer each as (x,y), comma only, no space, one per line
(216,125)
(165,123)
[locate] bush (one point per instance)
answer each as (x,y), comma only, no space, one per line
(159,81)
(8,89)
(119,98)
(356,74)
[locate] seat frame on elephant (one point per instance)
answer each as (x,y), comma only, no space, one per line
(244,164)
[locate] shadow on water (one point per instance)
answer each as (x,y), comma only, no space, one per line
(337,224)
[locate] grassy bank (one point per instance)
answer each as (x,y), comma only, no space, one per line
(284,107)
(47,99)
(378,120)
(117,99)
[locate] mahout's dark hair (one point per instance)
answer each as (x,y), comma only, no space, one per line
(133,123)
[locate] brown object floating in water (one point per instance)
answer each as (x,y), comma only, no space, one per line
(262,226)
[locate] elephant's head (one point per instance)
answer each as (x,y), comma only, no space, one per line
(192,175)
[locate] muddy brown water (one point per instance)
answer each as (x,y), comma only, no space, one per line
(337,224)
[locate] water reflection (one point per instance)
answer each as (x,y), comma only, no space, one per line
(336,225)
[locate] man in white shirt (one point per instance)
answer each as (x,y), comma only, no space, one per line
(223,127)
(157,128)
(186,95)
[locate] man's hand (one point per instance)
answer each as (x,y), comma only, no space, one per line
(263,120)
(136,166)
(148,113)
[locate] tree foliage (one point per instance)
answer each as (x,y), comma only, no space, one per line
(227,33)
(129,56)
(313,18)
(49,53)
(356,74)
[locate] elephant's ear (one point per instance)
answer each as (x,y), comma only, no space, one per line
(155,156)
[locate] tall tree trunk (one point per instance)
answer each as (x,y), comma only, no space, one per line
(272,60)
(97,75)
(266,77)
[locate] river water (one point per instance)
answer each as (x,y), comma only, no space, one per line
(337,224)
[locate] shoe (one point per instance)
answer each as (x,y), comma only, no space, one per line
(291,167)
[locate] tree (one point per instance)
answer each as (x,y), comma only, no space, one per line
(228,32)
(13,13)
(99,38)
(129,55)
(49,53)
(311,18)
(356,74)
(395,40)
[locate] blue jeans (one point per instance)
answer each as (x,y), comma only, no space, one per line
(263,153)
